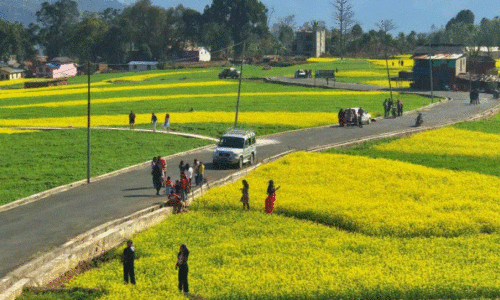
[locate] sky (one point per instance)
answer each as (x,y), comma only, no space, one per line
(408,15)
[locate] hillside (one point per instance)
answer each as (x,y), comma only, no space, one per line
(24,10)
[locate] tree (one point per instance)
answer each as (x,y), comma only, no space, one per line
(56,20)
(15,39)
(464,16)
(344,18)
(284,33)
(243,19)
(87,37)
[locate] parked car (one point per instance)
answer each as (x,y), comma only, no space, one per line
(236,147)
(231,73)
(300,74)
(354,111)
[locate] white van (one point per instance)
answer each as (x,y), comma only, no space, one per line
(236,147)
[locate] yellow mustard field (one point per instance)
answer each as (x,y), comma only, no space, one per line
(299,119)
(142,77)
(377,197)
(393,231)
(447,141)
(393,63)
(321,59)
(73,91)
(385,83)
(192,96)
(12,131)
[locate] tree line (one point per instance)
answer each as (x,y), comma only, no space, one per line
(144,31)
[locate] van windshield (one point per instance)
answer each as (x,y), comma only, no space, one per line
(231,142)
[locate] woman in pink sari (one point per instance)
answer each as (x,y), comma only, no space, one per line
(271,197)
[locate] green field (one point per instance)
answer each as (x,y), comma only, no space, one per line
(167,91)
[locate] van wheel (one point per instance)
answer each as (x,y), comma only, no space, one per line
(240,163)
(252,159)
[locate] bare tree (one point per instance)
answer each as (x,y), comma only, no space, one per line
(386,25)
(344,18)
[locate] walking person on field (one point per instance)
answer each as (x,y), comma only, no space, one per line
(182,266)
(166,124)
(201,172)
(154,121)
(271,197)
(245,197)
(128,258)
(131,119)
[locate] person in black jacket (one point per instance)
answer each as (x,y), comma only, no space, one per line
(128,258)
(157,173)
(182,259)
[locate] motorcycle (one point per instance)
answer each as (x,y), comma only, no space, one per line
(420,120)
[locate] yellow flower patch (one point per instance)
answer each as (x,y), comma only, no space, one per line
(393,63)
(53,88)
(12,131)
(356,73)
(447,141)
(116,89)
(300,119)
(321,59)
(191,96)
(152,75)
(394,84)
(377,197)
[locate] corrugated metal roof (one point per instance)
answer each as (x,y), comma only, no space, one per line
(11,70)
(143,63)
(440,56)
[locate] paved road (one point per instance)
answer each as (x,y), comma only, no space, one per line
(34,228)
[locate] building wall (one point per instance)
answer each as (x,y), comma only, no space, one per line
(66,70)
(10,76)
(141,67)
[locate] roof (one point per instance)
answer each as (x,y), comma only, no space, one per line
(62,60)
(440,56)
(239,132)
(194,49)
(11,70)
(439,49)
(143,63)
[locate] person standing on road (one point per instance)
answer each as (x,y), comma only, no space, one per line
(360,116)
(399,106)
(244,196)
(271,197)
(181,168)
(157,177)
(131,119)
(386,108)
(154,121)
(201,173)
(182,266)
(128,258)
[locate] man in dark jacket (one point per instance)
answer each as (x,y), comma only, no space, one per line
(128,258)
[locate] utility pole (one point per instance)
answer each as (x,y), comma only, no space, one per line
(239,87)
(88,120)
(431,66)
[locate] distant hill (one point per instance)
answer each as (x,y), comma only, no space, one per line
(24,10)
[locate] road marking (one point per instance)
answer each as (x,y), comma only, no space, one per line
(265,142)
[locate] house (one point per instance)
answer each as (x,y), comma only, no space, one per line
(448,61)
(310,43)
(196,54)
(137,66)
(59,67)
(8,73)
(445,69)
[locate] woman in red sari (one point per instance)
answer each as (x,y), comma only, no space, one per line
(271,197)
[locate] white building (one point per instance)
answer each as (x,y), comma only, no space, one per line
(137,66)
(8,73)
(196,54)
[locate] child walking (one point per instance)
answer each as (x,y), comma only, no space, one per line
(244,197)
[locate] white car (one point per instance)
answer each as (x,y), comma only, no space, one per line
(236,147)
(300,74)
(349,113)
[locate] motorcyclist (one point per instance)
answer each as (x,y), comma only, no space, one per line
(420,119)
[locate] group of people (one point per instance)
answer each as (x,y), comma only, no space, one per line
(271,196)
(128,258)
(177,192)
(350,116)
(154,121)
(474,96)
(395,108)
